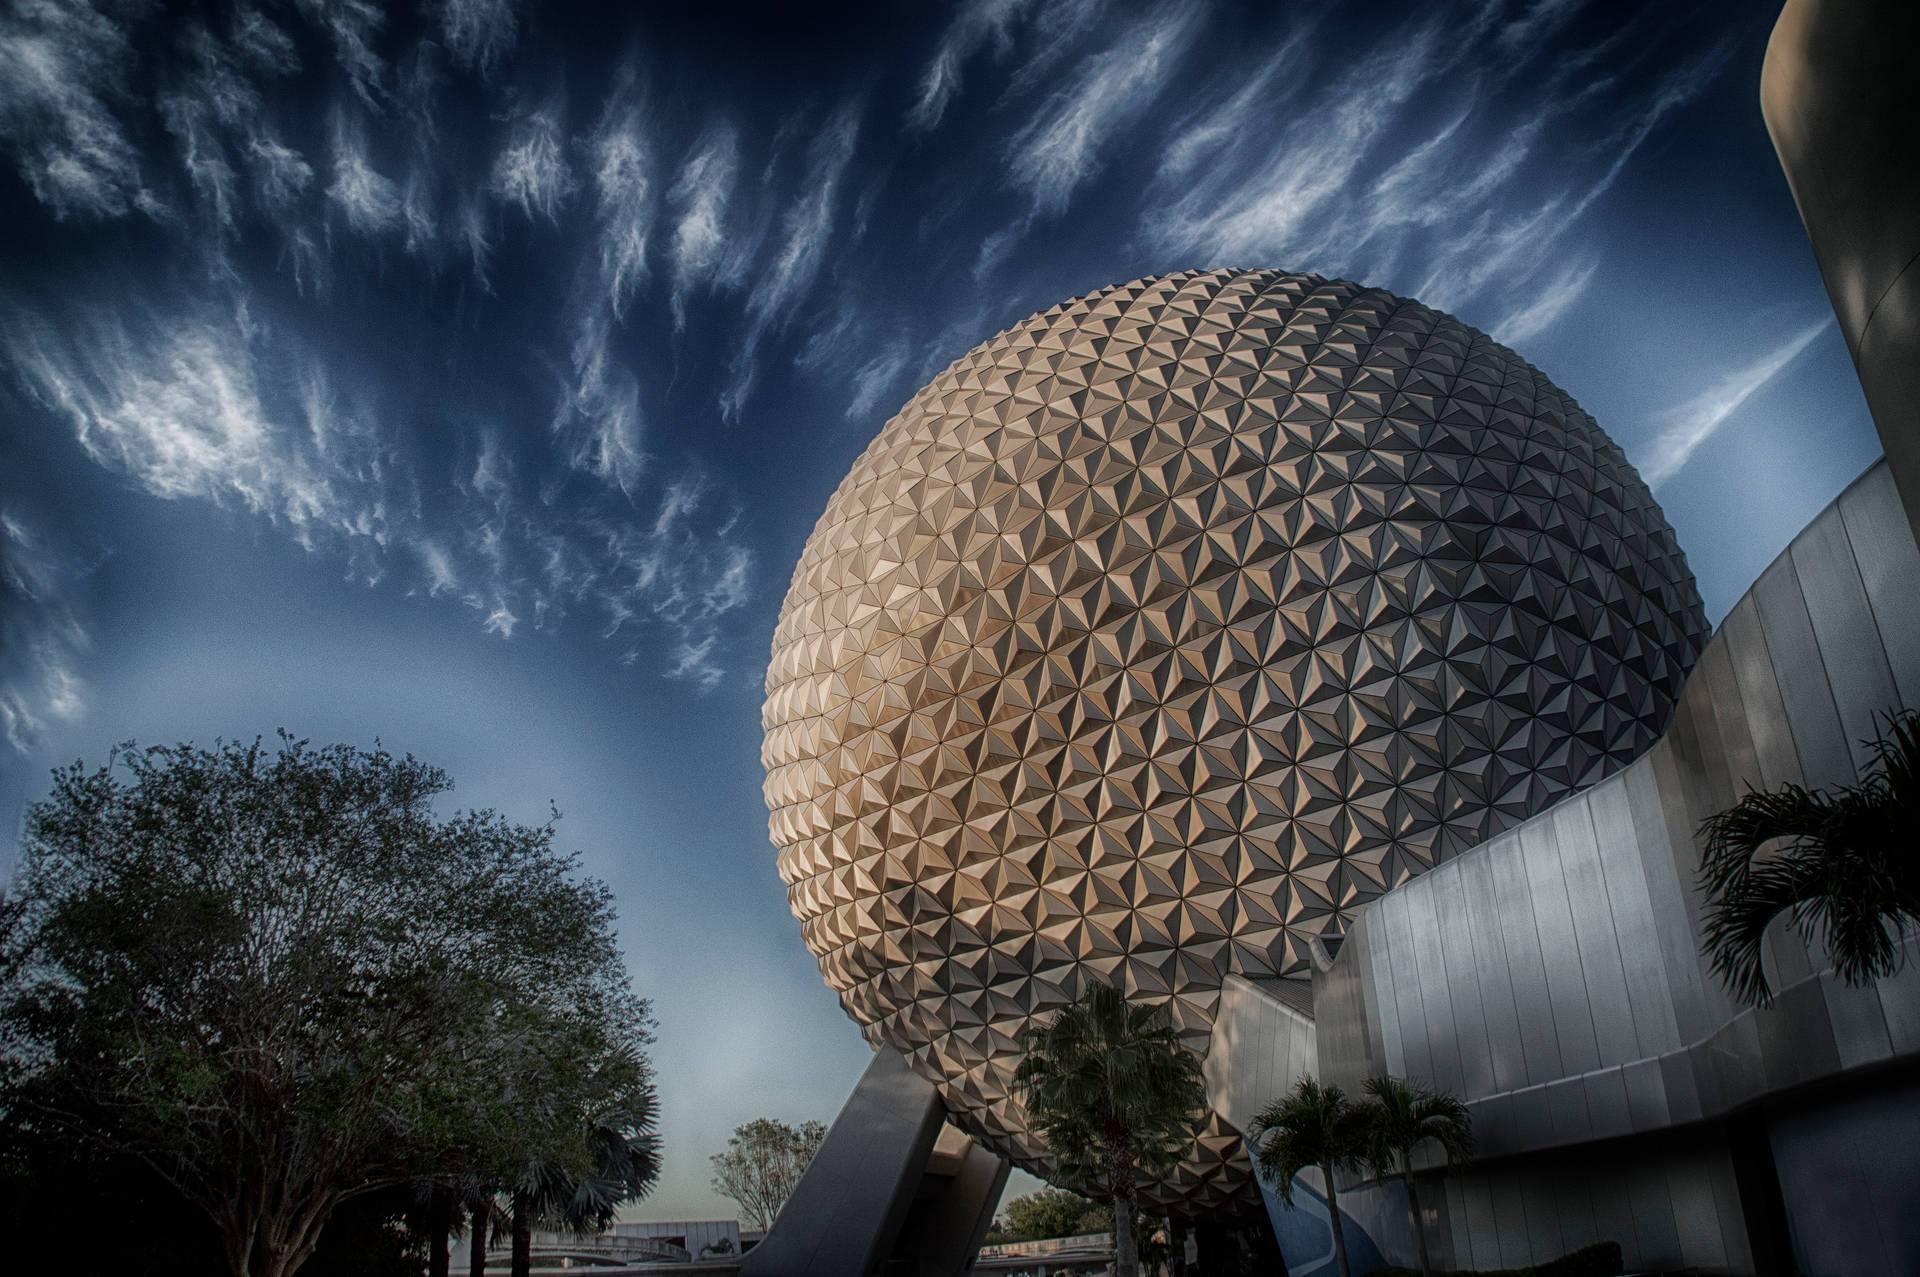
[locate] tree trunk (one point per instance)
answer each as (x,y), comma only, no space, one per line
(439,1224)
(1126,1239)
(1333,1217)
(522,1235)
(1419,1225)
(482,1216)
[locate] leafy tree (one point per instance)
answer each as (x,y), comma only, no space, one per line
(1112,1091)
(1403,1115)
(1314,1125)
(1051,1212)
(280,981)
(763,1164)
(1846,868)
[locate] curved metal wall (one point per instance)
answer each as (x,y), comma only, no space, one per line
(1552,976)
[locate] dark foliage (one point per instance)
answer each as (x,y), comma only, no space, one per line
(1842,863)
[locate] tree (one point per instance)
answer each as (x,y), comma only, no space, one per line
(613,1111)
(1051,1212)
(1402,1115)
(1846,868)
(763,1164)
(1112,1092)
(277,978)
(1314,1125)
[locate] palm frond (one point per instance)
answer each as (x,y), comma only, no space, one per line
(1846,869)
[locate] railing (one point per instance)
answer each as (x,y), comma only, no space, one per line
(1050,1246)
(605,1246)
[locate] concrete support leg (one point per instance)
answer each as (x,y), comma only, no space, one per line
(893,1189)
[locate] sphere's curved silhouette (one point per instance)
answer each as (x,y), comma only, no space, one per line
(1164,630)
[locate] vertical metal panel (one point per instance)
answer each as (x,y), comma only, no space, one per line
(1859,1024)
(1483,1224)
(1544,1239)
(1739,755)
(1607,1103)
(1696,1220)
(1573,1203)
(1798,668)
(1680,1080)
(1648,998)
(1459,1232)
(1728,1208)
(1369,994)
(1602,973)
(1653,1221)
(1746,644)
(1430,975)
(1386,1005)
(1514,903)
(1647,782)
(1796,1040)
(1900,1003)
(1567,1105)
(1532,1117)
(1883,546)
(1458,948)
(1843,626)
(1495,980)
(1738,1065)
(1613,1204)
(1510,1214)
(1646,1096)
(1696,736)
(1416,1045)
(1559,948)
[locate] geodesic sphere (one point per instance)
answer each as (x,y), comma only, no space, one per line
(1166,629)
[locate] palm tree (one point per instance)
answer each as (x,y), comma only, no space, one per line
(1112,1091)
(1314,1125)
(623,1152)
(1847,868)
(1402,1115)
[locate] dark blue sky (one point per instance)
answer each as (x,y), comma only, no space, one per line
(469,374)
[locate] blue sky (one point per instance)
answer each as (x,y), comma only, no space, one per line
(469,374)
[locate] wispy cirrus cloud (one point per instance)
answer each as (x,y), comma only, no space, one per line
(366,197)
(624,194)
(479,33)
(975,26)
(598,420)
(63,67)
(705,249)
(1549,301)
(805,232)
(531,170)
(1687,426)
(178,405)
(1060,146)
(42,640)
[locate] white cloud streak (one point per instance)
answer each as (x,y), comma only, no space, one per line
(699,202)
(61,67)
(42,641)
(623,193)
(976,25)
(479,33)
(1059,147)
(178,407)
(367,198)
(1689,425)
(1549,301)
(531,170)
(805,233)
